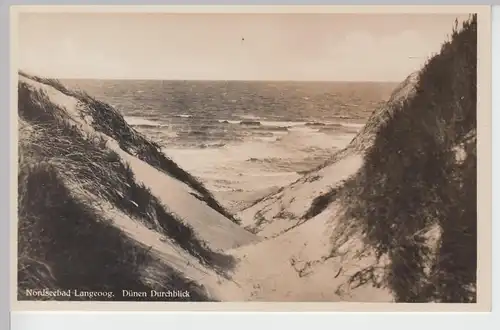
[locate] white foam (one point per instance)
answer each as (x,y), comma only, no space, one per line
(303,129)
(353,125)
(250,116)
(282,123)
(138,121)
(229,121)
(184,116)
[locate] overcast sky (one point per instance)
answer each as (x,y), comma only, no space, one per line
(342,47)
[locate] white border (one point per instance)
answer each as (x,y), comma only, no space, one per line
(126,321)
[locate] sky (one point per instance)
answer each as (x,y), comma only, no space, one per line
(315,47)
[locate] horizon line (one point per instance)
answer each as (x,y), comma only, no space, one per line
(234,80)
(20,71)
(226,80)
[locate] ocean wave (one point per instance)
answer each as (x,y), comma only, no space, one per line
(272,124)
(140,121)
(250,117)
(262,125)
(303,129)
(224,121)
(271,128)
(315,124)
(283,123)
(353,125)
(267,138)
(148,125)
(250,123)
(211,145)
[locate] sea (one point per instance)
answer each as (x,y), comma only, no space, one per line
(243,139)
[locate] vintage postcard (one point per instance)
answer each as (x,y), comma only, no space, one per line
(251,158)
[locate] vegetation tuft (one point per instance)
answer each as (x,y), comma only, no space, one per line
(320,203)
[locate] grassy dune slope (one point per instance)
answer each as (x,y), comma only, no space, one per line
(404,191)
(110,122)
(420,173)
(81,208)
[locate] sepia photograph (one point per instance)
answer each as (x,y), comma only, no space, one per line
(216,157)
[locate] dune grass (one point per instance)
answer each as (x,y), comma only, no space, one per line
(62,228)
(109,121)
(412,179)
(65,243)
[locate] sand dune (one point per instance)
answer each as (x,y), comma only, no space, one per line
(279,212)
(179,197)
(263,271)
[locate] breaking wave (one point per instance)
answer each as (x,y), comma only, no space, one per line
(141,121)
